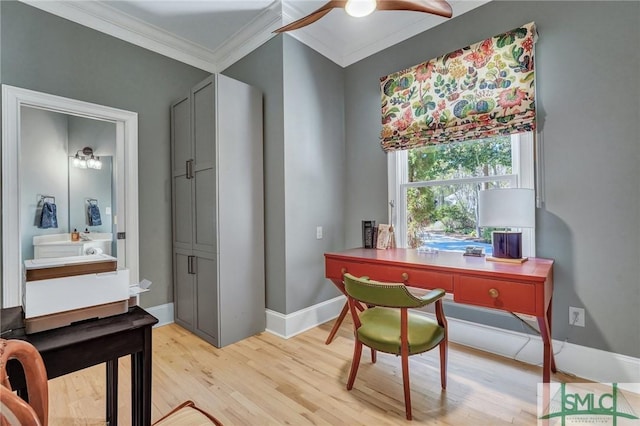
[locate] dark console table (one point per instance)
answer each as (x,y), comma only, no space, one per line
(77,346)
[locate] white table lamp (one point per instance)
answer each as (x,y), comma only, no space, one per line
(507,208)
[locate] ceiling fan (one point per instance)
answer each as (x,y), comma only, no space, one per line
(359,8)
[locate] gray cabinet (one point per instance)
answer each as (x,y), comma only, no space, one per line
(218,210)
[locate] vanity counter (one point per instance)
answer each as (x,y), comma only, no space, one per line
(60,245)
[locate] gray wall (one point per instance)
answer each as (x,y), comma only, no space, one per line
(91,183)
(43,153)
(96,134)
(588,90)
(304,167)
(262,68)
(314,170)
(49,54)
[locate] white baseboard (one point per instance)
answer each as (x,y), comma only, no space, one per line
(588,363)
(287,326)
(581,361)
(164,313)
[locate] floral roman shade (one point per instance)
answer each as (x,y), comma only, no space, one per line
(482,90)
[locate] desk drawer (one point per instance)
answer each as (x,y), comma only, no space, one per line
(429,279)
(414,277)
(506,295)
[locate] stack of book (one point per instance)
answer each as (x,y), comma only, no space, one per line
(369,231)
(378,237)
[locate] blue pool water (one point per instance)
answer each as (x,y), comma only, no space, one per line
(452,244)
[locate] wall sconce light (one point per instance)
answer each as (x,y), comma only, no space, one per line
(87,159)
(507,208)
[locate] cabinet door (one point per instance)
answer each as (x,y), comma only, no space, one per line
(204,123)
(205,214)
(182,212)
(180,135)
(207,298)
(181,183)
(205,185)
(183,290)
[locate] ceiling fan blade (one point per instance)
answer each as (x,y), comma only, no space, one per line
(312,17)
(435,7)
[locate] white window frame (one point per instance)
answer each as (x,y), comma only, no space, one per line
(523,176)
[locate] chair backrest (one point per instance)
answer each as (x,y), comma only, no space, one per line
(392,295)
(14,410)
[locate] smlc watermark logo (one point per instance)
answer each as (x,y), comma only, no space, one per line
(588,404)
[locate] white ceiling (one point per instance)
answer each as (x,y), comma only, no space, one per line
(213,34)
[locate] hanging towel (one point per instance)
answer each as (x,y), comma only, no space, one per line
(48,217)
(94,215)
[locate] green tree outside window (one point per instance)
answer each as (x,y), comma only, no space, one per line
(446,203)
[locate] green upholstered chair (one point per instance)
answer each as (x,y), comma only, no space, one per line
(388,325)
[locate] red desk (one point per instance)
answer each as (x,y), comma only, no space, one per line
(525,288)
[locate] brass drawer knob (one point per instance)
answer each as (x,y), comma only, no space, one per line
(493,293)
(405,276)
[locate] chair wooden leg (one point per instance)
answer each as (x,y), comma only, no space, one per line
(336,326)
(355,363)
(405,380)
(374,357)
(443,363)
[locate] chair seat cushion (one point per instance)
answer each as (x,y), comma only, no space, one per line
(380,330)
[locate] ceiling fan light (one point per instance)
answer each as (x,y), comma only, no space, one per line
(360,8)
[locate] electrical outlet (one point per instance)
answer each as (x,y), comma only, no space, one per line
(318,232)
(576,316)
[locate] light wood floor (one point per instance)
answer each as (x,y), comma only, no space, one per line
(267,380)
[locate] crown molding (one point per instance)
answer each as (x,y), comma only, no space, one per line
(290,13)
(109,20)
(104,18)
(257,32)
(99,16)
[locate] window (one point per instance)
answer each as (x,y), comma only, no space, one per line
(435,190)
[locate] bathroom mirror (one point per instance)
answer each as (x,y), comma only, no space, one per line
(51,147)
(36,161)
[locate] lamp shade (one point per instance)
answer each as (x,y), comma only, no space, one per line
(507,208)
